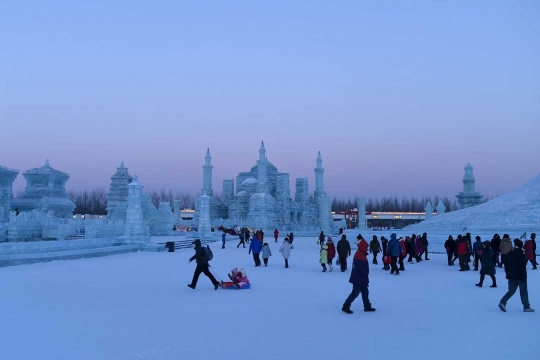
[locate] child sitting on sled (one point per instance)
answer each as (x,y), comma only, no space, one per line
(239,280)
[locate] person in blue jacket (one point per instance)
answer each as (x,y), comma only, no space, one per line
(394,249)
(255,247)
(359,278)
(477,246)
(223,239)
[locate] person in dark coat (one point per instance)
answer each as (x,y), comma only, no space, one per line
(394,250)
(255,246)
(425,244)
(450,246)
(516,273)
(495,247)
(461,249)
(409,247)
(322,237)
(477,251)
(384,242)
(202,266)
(374,248)
(469,247)
(344,251)
(359,278)
(331,252)
(529,252)
(242,241)
(488,267)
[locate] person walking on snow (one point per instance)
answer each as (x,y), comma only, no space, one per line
(285,250)
(488,267)
(496,247)
(529,252)
(266,253)
(359,279)
(242,241)
(323,257)
(202,266)
(409,247)
(276,235)
(331,252)
(478,250)
(516,273)
(344,251)
(394,250)
(450,246)
(506,247)
(386,264)
(374,248)
(321,239)
(425,244)
(223,239)
(403,254)
(419,249)
(461,245)
(255,247)
(533,238)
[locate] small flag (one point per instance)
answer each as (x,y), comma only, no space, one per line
(524,236)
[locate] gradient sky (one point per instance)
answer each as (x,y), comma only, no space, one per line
(397,95)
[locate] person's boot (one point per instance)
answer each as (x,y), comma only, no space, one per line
(397,273)
(331,268)
(479,284)
(529,309)
(493,286)
(369,309)
(346,309)
(191,286)
(216,285)
(286,263)
(502,307)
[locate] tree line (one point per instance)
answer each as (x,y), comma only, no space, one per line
(95,201)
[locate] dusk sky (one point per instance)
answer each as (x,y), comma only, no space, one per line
(397,95)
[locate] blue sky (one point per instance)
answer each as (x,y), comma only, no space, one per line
(397,95)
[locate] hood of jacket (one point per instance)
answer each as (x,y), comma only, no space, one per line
(361,253)
(393,237)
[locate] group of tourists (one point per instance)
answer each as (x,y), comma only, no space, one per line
(485,256)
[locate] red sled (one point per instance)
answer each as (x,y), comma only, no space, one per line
(231,285)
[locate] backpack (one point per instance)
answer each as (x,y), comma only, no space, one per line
(208,254)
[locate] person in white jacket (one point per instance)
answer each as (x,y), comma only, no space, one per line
(285,250)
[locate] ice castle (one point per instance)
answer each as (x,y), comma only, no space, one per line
(263,199)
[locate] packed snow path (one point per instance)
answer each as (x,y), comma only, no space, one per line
(137,306)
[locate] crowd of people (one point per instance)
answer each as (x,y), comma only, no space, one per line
(485,256)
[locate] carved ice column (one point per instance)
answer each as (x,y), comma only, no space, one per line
(177,208)
(207,175)
(134,229)
(361,204)
(429,210)
(205,229)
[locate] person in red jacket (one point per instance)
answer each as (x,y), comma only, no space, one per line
(331,252)
(276,235)
(462,253)
(529,253)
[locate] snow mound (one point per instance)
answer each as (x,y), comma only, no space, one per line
(518,210)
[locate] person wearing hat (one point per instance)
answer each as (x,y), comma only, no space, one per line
(394,250)
(359,278)
(495,246)
(375,248)
(516,273)
(202,266)
(450,246)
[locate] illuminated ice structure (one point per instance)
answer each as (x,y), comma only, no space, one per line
(262,199)
(469,196)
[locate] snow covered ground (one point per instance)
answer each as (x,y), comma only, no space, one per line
(137,306)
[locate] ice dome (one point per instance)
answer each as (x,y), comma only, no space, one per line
(250,180)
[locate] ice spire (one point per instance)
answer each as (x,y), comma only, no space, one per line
(207,174)
(319,177)
(262,152)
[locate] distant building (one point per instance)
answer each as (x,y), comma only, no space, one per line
(469,196)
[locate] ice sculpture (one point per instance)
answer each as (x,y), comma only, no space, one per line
(134,230)
(469,196)
(45,190)
(429,210)
(361,203)
(7,176)
(118,192)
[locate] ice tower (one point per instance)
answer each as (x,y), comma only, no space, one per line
(7,176)
(469,196)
